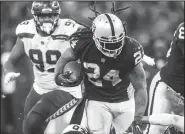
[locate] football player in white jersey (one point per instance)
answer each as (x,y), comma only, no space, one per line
(43,39)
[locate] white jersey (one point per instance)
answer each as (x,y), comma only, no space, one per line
(45,51)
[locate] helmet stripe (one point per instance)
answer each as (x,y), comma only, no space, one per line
(111,24)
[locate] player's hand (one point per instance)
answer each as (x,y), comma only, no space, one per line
(65,79)
(11,76)
(137,126)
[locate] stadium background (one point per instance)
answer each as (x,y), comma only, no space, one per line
(151,23)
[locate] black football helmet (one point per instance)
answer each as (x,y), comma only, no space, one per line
(46,15)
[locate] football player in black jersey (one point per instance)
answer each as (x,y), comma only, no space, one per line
(112,65)
(166,93)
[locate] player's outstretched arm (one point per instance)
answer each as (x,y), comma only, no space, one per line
(165,119)
(15,56)
(138,81)
(66,57)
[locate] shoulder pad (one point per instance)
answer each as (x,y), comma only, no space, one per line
(26,28)
(134,43)
(67,27)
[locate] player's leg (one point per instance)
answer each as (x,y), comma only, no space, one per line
(56,126)
(31,100)
(77,115)
(50,106)
(123,114)
(178,122)
(177,102)
(98,117)
(80,114)
(159,102)
(166,120)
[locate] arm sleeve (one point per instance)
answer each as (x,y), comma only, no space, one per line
(137,54)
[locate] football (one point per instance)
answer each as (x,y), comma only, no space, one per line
(75,68)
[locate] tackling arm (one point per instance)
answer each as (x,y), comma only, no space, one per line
(15,56)
(138,81)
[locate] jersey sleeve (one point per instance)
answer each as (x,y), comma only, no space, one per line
(71,26)
(25,29)
(178,38)
(137,53)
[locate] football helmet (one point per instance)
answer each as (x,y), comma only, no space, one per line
(108,34)
(75,129)
(46,15)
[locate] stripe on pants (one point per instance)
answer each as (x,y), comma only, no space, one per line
(152,103)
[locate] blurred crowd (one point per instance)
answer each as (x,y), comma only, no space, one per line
(151,23)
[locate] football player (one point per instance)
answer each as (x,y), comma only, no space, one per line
(165,119)
(43,39)
(166,92)
(112,64)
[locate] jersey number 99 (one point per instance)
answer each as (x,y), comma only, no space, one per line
(37,58)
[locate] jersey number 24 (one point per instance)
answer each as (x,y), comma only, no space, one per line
(111,77)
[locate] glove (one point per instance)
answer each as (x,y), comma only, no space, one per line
(150,61)
(137,126)
(64,80)
(11,76)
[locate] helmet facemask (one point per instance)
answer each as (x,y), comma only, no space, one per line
(110,47)
(46,22)
(46,15)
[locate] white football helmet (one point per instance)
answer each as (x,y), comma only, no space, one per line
(108,34)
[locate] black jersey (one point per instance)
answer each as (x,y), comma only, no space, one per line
(173,71)
(107,79)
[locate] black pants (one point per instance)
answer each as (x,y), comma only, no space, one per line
(41,109)
(32,98)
